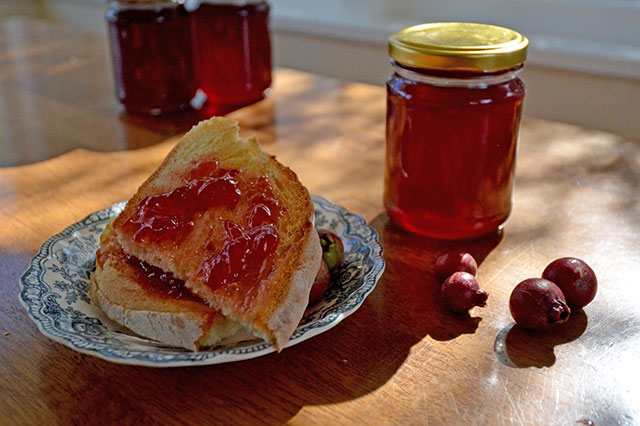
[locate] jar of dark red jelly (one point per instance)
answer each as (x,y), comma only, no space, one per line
(453,111)
(233,51)
(153,63)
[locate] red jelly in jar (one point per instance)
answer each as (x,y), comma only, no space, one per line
(233,51)
(151,47)
(453,112)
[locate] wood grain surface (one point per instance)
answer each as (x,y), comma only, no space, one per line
(401,358)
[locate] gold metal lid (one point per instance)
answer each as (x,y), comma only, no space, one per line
(458,46)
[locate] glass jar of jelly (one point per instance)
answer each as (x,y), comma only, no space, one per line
(453,111)
(233,52)
(153,63)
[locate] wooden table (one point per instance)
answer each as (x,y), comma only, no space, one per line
(401,358)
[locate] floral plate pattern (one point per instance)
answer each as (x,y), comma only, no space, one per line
(54,292)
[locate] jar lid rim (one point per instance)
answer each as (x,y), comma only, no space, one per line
(458,46)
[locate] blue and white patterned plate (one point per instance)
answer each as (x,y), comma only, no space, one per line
(54,292)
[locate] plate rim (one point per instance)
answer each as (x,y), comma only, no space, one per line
(36,268)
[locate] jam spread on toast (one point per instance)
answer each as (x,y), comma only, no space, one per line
(239,258)
(245,258)
(162,283)
(170,216)
(151,278)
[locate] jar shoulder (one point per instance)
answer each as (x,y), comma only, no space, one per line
(403,88)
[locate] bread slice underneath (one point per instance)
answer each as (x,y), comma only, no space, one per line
(151,308)
(265,294)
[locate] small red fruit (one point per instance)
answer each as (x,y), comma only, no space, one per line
(320,284)
(537,304)
(575,278)
(461,292)
(452,262)
(332,249)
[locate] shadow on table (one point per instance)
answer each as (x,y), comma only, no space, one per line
(516,347)
(345,363)
(414,289)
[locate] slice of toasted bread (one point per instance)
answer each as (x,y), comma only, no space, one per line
(153,306)
(231,222)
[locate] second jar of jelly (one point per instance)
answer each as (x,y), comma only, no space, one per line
(233,52)
(453,111)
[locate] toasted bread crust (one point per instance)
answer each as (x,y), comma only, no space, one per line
(274,312)
(283,319)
